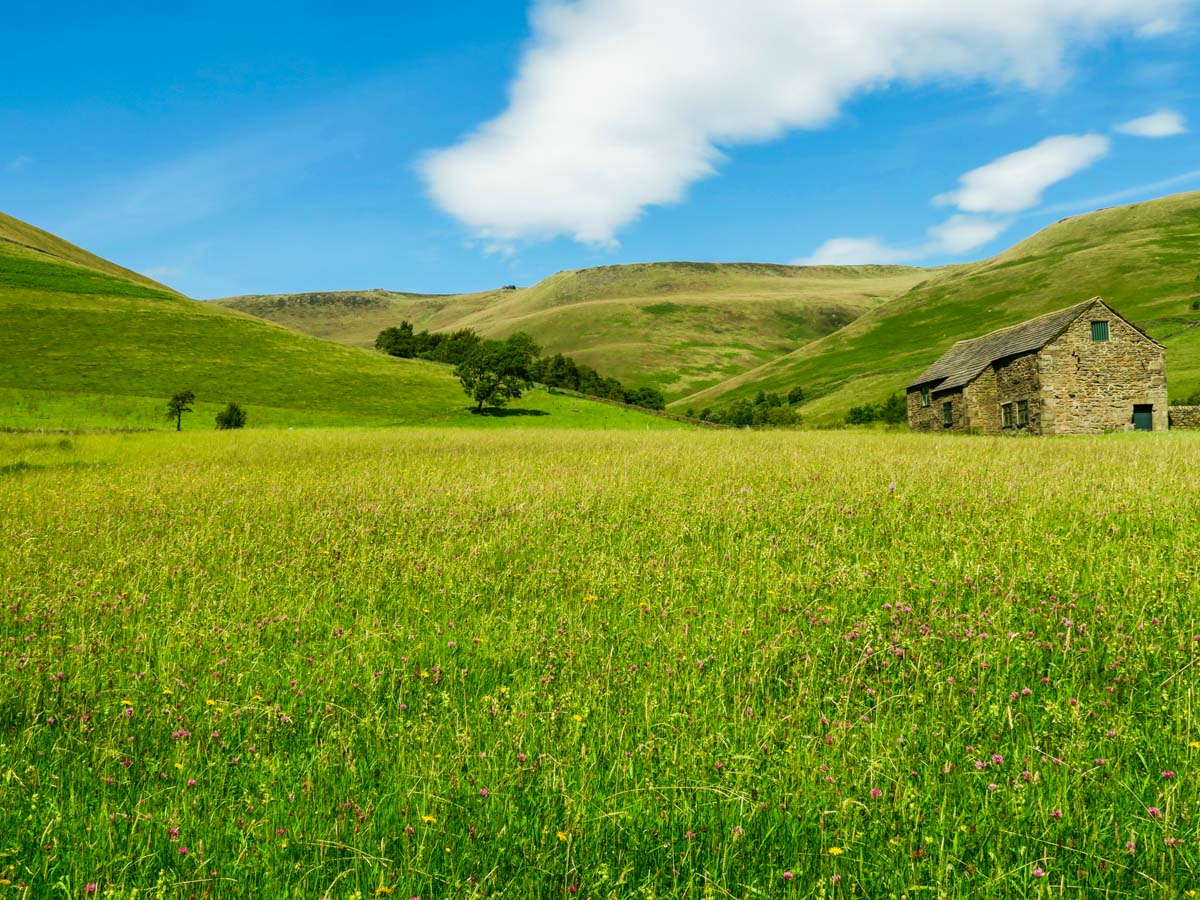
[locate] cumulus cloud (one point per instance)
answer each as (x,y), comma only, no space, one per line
(1165,123)
(1016,182)
(621,104)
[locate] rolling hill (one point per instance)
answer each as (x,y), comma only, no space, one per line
(86,343)
(1144,259)
(680,327)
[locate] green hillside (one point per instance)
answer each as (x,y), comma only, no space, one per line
(86,343)
(679,327)
(1143,259)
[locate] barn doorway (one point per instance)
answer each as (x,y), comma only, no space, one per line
(1143,417)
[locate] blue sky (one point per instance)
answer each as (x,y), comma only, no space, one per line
(257,148)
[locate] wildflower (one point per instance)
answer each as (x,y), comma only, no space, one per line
(91,887)
(1168,774)
(183,851)
(788,876)
(835,851)
(561,835)
(876,793)
(1039,872)
(429,820)
(1154,812)
(484,792)
(1057,814)
(997,758)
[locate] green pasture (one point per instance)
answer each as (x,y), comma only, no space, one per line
(85,344)
(451,663)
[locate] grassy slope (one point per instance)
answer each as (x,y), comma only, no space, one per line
(677,326)
(1143,259)
(85,343)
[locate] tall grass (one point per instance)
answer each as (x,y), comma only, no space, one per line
(519,664)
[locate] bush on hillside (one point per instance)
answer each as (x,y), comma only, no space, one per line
(892,411)
(232,416)
(767,410)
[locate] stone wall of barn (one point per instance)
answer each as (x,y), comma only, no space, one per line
(1184,417)
(1020,379)
(983,415)
(930,418)
(1089,387)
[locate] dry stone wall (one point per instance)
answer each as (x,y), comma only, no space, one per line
(1184,417)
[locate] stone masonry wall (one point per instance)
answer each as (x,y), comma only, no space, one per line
(1185,417)
(929,418)
(1089,387)
(1019,379)
(983,413)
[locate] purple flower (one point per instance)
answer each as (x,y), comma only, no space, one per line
(788,876)
(1039,872)
(876,793)
(183,851)
(1154,812)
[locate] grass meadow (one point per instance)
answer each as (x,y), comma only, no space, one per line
(451,664)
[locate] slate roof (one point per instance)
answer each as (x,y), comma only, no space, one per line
(966,359)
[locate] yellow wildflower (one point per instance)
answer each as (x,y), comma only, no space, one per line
(561,835)
(429,820)
(835,851)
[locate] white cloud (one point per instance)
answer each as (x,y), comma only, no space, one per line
(954,237)
(621,104)
(962,234)
(1165,123)
(986,198)
(17,164)
(1016,182)
(1158,28)
(857,252)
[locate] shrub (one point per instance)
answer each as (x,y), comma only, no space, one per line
(232,416)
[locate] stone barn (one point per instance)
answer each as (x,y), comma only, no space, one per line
(1081,370)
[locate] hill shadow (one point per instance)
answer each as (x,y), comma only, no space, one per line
(504,413)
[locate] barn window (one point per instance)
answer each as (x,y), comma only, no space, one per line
(1022,412)
(1006,415)
(1099,332)
(947,414)
(925,396)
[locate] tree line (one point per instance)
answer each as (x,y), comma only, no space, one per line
(493,372)
(766,410)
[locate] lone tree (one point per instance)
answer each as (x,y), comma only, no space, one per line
(178,405)
(498,371)
(232,416)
